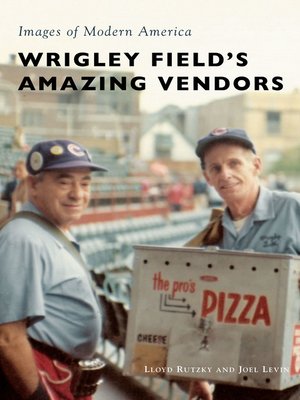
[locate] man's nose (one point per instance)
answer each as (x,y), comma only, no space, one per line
(225,172)
(76,191)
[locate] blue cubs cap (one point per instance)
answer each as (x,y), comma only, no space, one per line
(59,154)
(221,135)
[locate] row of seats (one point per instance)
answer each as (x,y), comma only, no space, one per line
(109,229)
(108,187)
(115,166)
(167,235)
(110,245)
(111,259)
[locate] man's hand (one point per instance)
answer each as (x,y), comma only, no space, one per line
(200,390)
(17,360)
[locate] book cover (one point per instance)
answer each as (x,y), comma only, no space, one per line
(190,55)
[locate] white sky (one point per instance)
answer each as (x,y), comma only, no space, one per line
(268,31)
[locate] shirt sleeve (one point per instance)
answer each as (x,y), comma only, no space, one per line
(21,269)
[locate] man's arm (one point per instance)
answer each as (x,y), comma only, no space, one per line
(17,359)
(196,389)
(201,390)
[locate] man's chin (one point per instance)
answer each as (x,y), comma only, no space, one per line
(72,217)
(231,196)
(229,191)
(74,211)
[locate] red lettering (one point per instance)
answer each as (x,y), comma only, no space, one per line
(175,288)
(262,312)
(193,287)
(241,309)
(220,315)
(183,287)
(230,319)
(250,299)
(209,302)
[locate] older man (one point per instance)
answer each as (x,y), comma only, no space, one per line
(49,314)
(254,218)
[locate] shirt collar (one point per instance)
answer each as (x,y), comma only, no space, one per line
(264,208)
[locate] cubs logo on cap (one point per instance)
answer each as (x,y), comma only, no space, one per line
(75,149)
(219,131)
(222,134)
(59,154)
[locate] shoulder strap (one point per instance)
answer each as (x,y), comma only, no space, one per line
(211,234)
(54,231)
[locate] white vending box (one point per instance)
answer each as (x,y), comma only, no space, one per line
(226,316)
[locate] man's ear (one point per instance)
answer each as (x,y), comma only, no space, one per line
(32,182)
(257,165)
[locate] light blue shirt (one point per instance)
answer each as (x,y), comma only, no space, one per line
(42,282)
(272,227)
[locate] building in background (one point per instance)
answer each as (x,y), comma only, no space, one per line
(103,118)
(9,104)
(164,143)
(272,119)
(110,120)
(170,113)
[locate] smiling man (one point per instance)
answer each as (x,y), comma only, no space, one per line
(68,194)
(49,316)
(231,166)
(254,218)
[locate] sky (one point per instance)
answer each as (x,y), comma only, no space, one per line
(268,32)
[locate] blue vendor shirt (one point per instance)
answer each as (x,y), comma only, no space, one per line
(42,282)
(272,227)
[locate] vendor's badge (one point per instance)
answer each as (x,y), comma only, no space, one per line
(56,150)
(36,161)
(76,150)
(219,131)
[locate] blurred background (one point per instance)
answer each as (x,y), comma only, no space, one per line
(154,192)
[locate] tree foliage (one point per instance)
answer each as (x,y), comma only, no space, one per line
(289,163)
